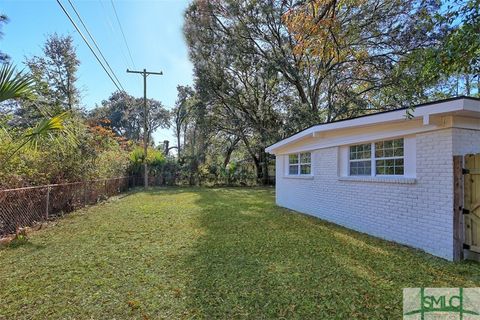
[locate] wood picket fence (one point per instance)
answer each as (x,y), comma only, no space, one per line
(466,218)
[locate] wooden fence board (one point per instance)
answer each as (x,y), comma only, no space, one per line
(472,202)
(458,227)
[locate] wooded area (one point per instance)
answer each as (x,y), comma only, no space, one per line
(262,71)
(267,69)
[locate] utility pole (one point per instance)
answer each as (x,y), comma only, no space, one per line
(145,73)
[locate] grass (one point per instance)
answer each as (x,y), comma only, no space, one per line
(211,253)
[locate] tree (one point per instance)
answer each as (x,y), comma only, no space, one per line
(158,116)
(337,55)
(3,56)
(197,131)
(460,51)
(17,85)
(265,69)
(120,111)
(450,66)
(240,91)
(55,72)
(181,112)
(125,115)
(42,143)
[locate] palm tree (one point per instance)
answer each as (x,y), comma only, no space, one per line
(17,85)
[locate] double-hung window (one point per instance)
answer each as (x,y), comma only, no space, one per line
(378,158)
(300,163)
(361,160)
(389,157)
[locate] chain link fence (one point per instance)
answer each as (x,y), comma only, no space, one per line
(31,206)
(28,207)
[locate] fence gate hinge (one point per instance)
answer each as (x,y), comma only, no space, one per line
(465,211)
(466,246)
(465,171)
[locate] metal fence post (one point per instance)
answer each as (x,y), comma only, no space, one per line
(84,193)
(47,206)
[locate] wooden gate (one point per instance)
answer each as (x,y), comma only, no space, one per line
(471,202)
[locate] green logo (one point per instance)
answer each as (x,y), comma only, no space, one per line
(441,303)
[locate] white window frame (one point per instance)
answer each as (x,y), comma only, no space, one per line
(373,160)
(360,160)
(299,164)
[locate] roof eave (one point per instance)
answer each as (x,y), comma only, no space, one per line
(427,110)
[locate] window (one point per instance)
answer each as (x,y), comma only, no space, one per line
(360,160)
(300,163)
(389,157)
(386,157)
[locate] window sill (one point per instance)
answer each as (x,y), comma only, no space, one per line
(398,180)
(305,177)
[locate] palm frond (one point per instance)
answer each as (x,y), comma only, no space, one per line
(47,128)
(14,85)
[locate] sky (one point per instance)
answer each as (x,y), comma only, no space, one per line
(153,31)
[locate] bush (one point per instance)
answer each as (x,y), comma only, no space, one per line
(97,154)
(155,160)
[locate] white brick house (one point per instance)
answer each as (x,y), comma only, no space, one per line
(382,174)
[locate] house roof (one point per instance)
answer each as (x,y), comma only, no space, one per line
(462,105)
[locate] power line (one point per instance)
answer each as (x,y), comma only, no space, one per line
(95,43)
(123,34)
(88,44)
(109,23)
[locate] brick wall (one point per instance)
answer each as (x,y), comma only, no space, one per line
(466,141)
(417,214)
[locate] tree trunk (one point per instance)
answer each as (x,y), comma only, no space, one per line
(191,179)
(258,170)
(264,167)
(178,141)
(229,152)
(166,149)
(69,93)
(467,85)
(256,161)
(193,161)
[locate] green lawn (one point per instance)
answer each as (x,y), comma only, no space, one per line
(211,253)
